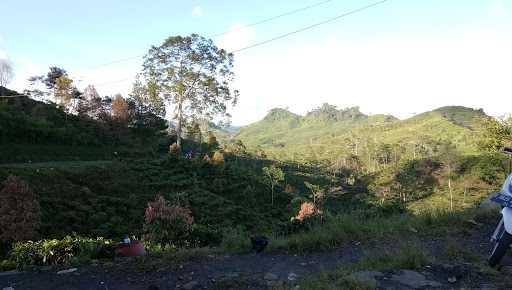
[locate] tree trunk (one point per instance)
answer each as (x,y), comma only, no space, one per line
(272,188)
(180,123)
(451,193)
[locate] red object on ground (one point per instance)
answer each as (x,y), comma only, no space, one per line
(135,248)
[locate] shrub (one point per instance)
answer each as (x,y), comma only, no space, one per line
(20,215)
(308,216)
(54,252)
(235,240)
(218,158)
(307,210)
(174,151)
(167,224)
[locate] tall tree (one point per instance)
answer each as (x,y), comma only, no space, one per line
(57,83)
(193,75)
(274,175)
(450,160)
(120,110)
(89,103)
(6,72)
(64,90)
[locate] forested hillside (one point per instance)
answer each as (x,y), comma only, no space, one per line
(32,130)
(327,133)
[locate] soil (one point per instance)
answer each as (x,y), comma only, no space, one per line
(258,271)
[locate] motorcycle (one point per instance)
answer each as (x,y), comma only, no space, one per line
(502,236)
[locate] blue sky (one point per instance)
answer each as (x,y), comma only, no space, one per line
(400,57)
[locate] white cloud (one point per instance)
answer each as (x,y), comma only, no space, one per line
(400,75)
(238,36)
(197,11)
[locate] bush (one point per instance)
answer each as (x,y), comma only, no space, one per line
(20,215)
(54,252)
(167,225)
(235,240)
(218,159)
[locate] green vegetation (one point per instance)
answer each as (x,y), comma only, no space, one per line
(311,183)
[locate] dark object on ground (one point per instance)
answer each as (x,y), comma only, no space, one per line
(153,287)
(259,243)
(133,249)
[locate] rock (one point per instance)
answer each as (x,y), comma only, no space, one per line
(366,277)
(413,280)
(190,285)
(71,270)
(292,276)
(452,279)
(270,277)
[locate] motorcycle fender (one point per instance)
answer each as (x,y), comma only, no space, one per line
(507,219)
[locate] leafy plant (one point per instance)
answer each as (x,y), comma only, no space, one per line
(167,225)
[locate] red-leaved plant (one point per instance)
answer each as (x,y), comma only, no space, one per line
(165,224)
(307,210)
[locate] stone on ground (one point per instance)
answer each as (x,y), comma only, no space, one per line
(366,277)
(67,271)
(190,285)
(413,280)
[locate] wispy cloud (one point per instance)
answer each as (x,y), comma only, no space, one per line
(197,11)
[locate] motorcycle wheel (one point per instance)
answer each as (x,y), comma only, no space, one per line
(500,248)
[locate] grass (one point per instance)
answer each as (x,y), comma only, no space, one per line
(407,256)
(360,227)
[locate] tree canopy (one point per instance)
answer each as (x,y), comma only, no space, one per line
(193,75)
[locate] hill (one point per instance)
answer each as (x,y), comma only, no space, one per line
(327,131)
(32,130)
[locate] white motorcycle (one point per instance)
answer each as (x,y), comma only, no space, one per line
(502,236)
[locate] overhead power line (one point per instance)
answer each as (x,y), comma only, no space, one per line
(272,18)
(332,19)
(310,26)
(225,32)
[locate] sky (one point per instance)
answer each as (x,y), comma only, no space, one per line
(401,57)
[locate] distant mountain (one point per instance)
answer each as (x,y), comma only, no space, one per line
(328,131)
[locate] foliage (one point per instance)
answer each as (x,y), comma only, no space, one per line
(496,134)
(20,216)
(417,179)
(120,110)
(307,210)
(63,251)
(167,225)
(33,130)
(274,175)
(235,240)
(218,159)
(194,75)
(328,134)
